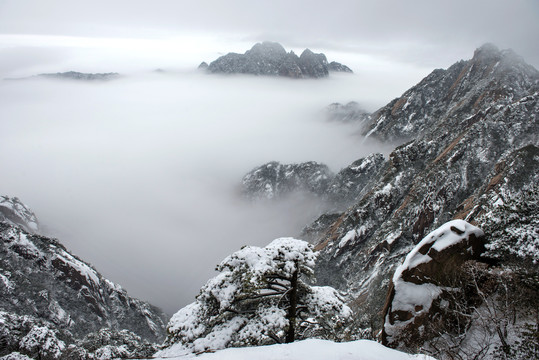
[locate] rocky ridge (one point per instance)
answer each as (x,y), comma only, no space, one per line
(274,180)
(469,127)
(271,59)
(469,150)
(47,289)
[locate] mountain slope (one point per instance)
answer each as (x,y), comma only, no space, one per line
(41,280)
(474,142)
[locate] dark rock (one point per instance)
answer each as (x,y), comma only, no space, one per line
(271,59)
(39,278)
(455,95)
(424,277)
(313,65)
(203,66)
(275,180)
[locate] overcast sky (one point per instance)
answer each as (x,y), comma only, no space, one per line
(426,32)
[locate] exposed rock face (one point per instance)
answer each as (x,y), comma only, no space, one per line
(41,278)
(425,280)
(473,141)
(58,293)
(274,180)
(13,211)
(271,59)
(352,181)
(463,90)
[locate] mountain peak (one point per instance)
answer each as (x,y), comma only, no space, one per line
(271,59)
(267,48)
(487,50)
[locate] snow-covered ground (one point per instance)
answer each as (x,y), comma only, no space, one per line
(311,349)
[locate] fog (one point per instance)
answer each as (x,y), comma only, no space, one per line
(140,176)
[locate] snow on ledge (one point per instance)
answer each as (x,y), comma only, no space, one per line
(443,237)
(311,349)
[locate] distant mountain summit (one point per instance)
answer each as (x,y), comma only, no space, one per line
(271,59)
(73,75)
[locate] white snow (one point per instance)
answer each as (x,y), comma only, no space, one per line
(351,235)
(83,269)
(441,238)
(312,349)
(19,238)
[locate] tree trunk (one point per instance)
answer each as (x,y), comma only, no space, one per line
(291,316)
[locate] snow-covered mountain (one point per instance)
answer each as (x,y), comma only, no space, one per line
(47,290)
(472,154)
(271,59)
(470,151)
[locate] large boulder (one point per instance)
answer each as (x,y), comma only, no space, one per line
(425,283)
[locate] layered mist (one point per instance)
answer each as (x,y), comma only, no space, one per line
(140,175)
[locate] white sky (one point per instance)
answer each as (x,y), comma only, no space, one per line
(421,32)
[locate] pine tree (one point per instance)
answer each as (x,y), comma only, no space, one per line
(259,297)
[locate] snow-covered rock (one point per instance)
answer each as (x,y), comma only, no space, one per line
(275,180)
(472,155)
(347,113)
(13,211)
(426,273)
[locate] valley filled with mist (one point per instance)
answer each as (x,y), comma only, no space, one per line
(140,175)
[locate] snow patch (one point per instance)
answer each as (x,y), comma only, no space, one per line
(312,349)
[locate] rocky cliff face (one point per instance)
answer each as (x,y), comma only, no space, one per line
(42,281)
(473,133)
(271,59)
(14,212)
(274,180)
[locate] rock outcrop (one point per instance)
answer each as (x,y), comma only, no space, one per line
(472,137)
(271,59)
(275,180)
(13,211)
(46,289)
(424,285)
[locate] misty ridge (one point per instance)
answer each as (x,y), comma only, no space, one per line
(140,175)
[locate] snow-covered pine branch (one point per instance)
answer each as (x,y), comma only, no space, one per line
(261,296)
